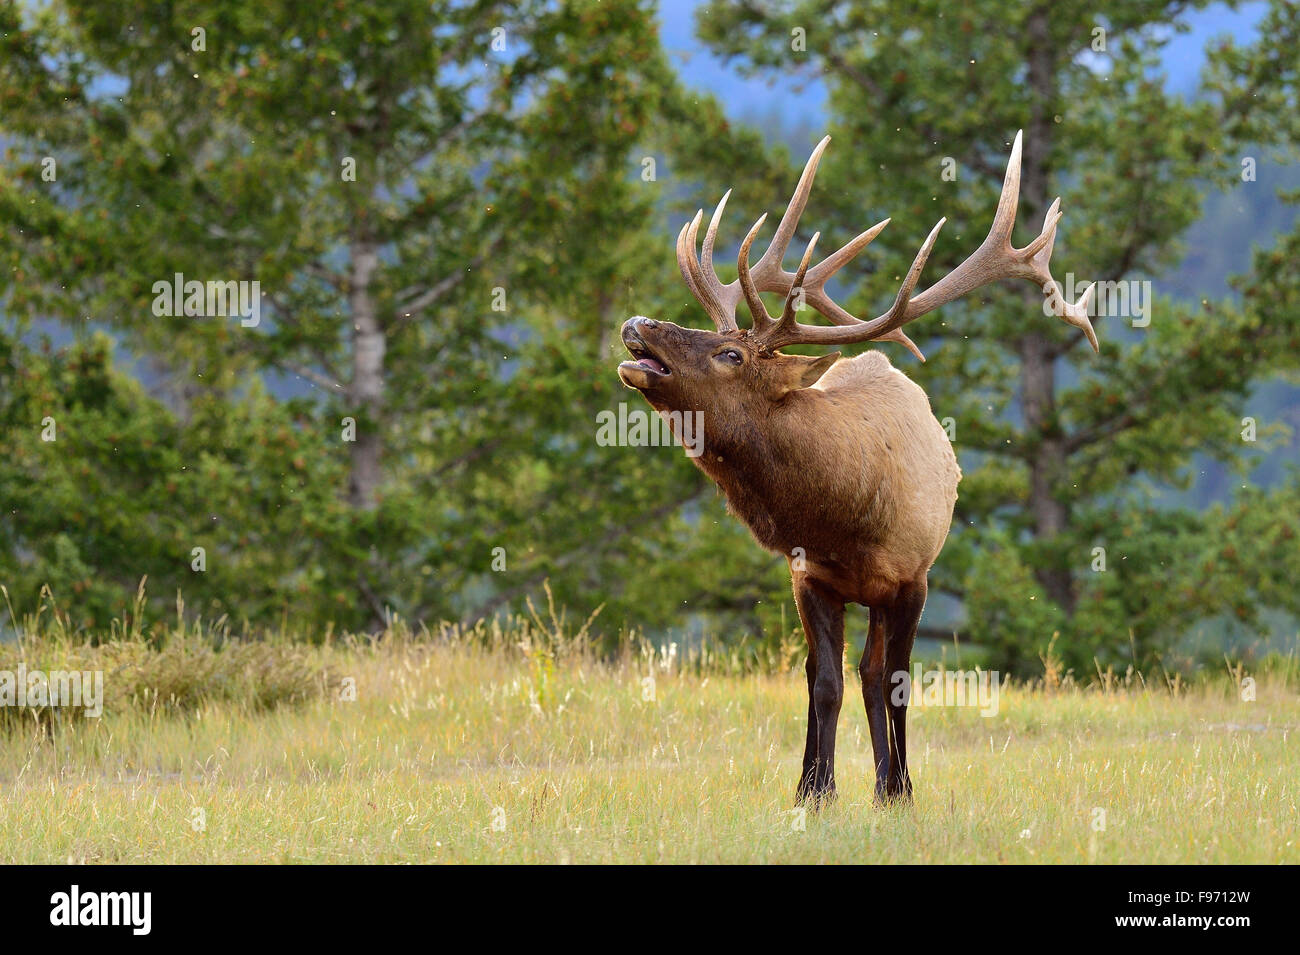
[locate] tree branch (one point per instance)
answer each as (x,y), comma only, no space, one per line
(310,374)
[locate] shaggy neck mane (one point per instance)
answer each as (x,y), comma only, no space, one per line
(788,488)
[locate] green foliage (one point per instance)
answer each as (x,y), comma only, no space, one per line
(459,300)
(126,489)
(478,169)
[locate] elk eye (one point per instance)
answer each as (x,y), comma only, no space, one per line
(730,355)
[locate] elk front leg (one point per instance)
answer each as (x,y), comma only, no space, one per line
(822,614)
(902,619)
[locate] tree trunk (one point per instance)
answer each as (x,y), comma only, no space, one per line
(366,391)
(1047,466)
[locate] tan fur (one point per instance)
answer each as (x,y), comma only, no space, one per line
(884,459)
(854,474)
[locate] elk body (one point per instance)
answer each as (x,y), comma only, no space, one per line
(838,464)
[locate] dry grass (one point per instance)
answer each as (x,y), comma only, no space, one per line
(161,670)
(515,744)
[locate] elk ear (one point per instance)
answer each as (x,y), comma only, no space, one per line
(807,370)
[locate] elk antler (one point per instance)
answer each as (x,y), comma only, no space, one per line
(995,259)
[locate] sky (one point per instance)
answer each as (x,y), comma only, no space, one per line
(742,96)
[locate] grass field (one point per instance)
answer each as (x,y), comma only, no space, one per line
(518,746)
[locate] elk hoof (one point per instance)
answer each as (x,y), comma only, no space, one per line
(894,795)
(815,797)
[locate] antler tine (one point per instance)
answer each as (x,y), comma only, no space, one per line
(1040,250)
(768,267)
(904,296)
(762,320)
(840,258)
(1040,253)
(788,310)
(769,276)
(815,288)
(723,317)
(1004,217)
(706,255)
(814,285)
(718,300)
(684,264)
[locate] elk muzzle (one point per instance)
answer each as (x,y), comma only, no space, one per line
(647,366)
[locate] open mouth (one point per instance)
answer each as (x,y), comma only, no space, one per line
(643,357)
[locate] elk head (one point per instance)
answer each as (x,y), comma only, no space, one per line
(737,375)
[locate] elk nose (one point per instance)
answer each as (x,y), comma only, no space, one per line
(635,325)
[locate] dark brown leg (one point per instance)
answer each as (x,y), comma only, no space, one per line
(872,671)
(904,615)
(822,615)
(810,741)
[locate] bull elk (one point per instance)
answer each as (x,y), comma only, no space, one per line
(838,464)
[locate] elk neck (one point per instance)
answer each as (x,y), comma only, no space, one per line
(783,475)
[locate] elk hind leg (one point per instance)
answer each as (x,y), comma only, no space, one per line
(904,615)
(871,670)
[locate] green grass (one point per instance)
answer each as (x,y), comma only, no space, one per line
(451,730)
